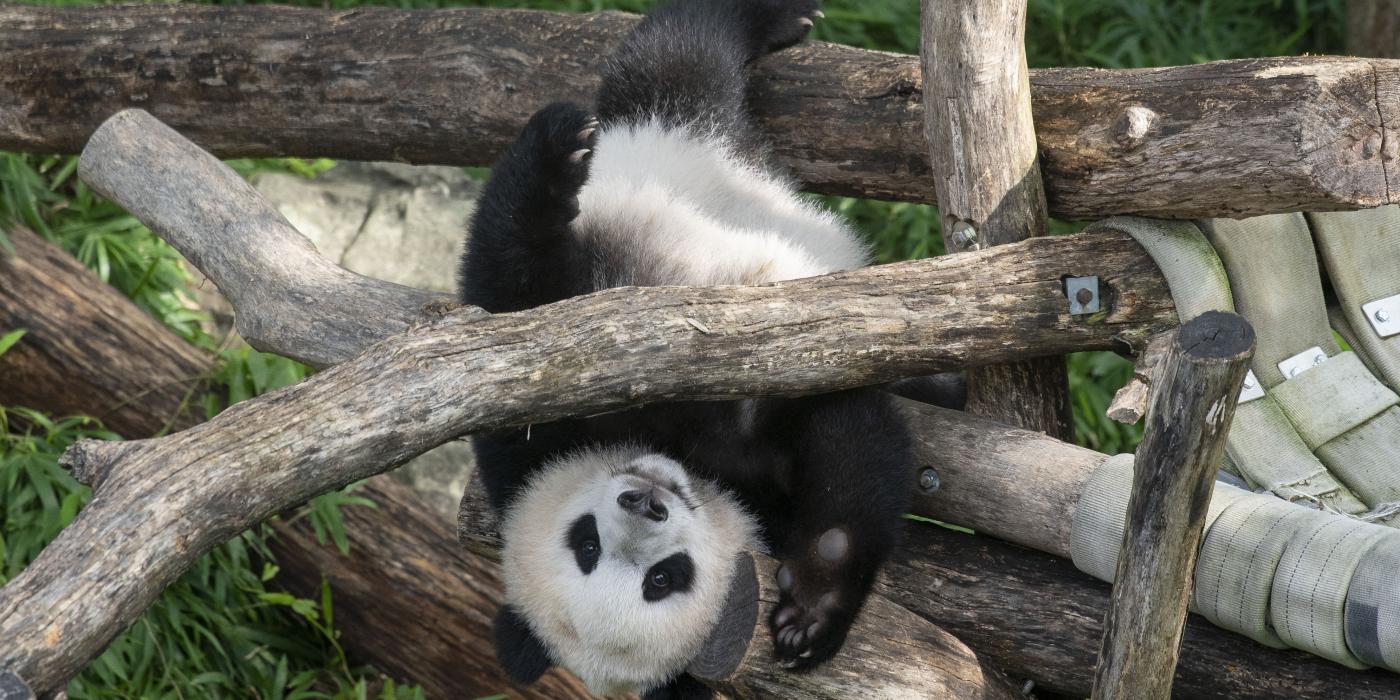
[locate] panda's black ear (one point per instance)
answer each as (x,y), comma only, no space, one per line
(520,652)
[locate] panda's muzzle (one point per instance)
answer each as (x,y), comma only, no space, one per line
(646,503)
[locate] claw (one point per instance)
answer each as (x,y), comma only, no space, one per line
(819,14)
(583,135)
(805,655)
(805,22)
(579,155)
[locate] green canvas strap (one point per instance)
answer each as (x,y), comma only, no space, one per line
(1361,252)
(1307,605)
(1373,606)
(1240,553)
(1096,532)
(1263,448)
(1276,284)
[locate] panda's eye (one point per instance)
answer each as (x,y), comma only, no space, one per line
(667,577)
(582,540)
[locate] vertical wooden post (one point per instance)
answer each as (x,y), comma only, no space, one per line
(977,112)
(1373,28)
(1192,405)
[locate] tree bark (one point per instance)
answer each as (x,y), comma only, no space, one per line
(1190,416)
(1373,28)
(977,113)
(408,601)
(1231,138)
(84,351)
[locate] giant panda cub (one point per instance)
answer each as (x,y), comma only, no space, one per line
(621,532)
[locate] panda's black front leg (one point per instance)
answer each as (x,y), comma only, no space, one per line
(519,254)
(852,490)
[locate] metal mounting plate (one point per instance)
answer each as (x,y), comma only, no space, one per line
(1302,362)
(1081,302)
(1252,388)
(1384,315)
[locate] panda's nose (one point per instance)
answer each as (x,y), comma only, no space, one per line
(643,503)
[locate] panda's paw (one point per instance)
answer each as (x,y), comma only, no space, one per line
(820,594)
(560,139)
(785,22)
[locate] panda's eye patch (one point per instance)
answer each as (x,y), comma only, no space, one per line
(670,575)
(583,541)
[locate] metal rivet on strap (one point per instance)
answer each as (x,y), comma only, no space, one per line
(1083,293)
(1302,362)
(1384,315)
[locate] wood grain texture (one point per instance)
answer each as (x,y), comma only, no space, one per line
(407,599)
(1035,616)
(1373,28)
(977,115)
(1182,446)
(1232,138)
(91,353)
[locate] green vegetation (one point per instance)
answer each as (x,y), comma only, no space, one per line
(224,629)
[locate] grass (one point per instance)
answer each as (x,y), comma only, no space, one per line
(224,629)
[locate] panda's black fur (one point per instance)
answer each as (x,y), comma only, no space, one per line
(806,468)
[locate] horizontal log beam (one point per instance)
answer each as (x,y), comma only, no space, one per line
(1230,138)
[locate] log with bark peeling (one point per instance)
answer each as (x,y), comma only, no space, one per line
(1231,138)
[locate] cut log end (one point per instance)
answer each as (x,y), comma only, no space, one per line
(89,461)
(1216,335)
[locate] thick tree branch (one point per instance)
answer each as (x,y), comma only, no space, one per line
(1231,138)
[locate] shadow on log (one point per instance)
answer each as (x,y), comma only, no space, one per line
(1231,138)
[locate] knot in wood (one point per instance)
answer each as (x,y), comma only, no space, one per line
(1132,126)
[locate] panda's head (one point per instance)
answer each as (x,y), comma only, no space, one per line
(617,564)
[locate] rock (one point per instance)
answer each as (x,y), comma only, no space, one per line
(400,223)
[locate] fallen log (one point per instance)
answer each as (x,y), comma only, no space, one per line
(407,601)
(977,115)
(1181,450)
(1231,138)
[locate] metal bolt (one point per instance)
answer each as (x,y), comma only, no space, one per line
(1319,360)
(1248,383)
(964,235)
(928,480)
(1084,296)
(1382,316)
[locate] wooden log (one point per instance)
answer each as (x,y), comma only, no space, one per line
(89,353)
(977,114)
(1130,403)
(1232,138)
(469,372)
(1373,28)
(1035,616)
(890,653)
(1173,476)
(415,612)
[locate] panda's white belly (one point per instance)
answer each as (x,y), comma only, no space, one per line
(685,210)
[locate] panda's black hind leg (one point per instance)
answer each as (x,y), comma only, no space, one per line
(519,254)
(853,477)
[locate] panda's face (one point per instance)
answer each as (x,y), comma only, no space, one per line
(620,561)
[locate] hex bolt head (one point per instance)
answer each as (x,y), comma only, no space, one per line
(964,236)
(1382,316)
(1248,384)
(928,480)
(1084,296)
(1319,360)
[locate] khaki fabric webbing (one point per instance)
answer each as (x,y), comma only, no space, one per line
(1193,271)
(1308,599)
(1277,285)
(1241,551)
(1338,395)
(1367,459)
(1373,605)
(1269,453)
(1361,251)
(1096,533)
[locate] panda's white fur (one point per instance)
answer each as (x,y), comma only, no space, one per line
(597,624)
(689,210)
